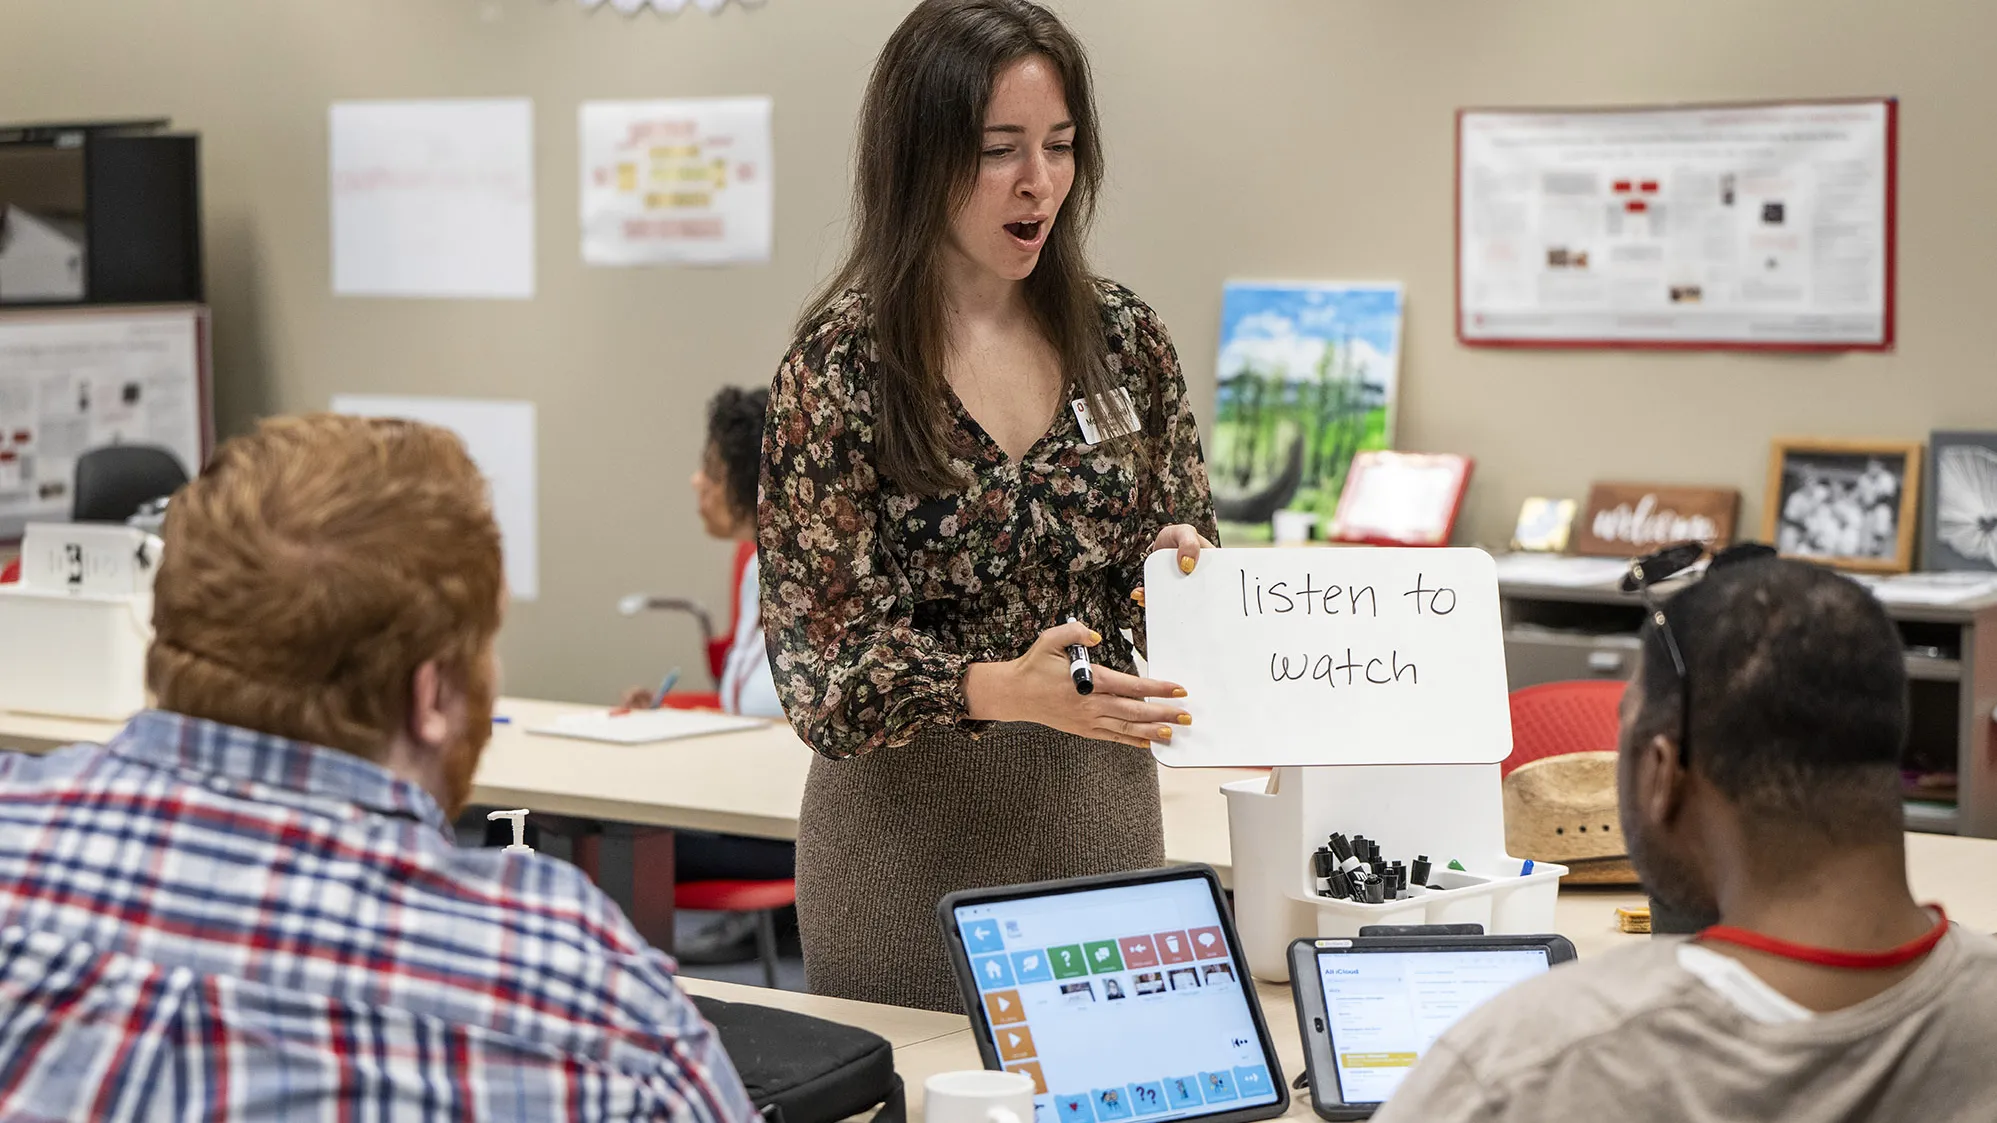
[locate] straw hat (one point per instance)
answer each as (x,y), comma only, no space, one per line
(1563,809)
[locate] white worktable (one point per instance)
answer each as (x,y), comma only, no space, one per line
(752,783)
(747,783)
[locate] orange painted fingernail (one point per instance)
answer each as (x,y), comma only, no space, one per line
(1185,719)
(1185,565)
(1095,638)
(1164,733)
(1137,595)
(1178,692)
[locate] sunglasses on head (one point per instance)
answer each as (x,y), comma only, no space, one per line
(1654,569)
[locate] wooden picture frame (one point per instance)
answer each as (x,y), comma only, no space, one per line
(1401,499)
(1629,520)
(1851,504)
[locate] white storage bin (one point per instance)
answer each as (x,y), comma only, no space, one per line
(73,654)
(1446,811)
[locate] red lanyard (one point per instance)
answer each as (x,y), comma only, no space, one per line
(1831,957)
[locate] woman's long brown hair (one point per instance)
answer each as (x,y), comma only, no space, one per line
(920,137)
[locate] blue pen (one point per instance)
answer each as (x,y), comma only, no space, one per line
(497,720)
(666,687)
(1526,869)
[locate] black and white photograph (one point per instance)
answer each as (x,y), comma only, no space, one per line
(1851,504)
(1961,520)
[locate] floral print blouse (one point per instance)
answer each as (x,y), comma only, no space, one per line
(876,601)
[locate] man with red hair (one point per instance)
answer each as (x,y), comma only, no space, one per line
(248,905)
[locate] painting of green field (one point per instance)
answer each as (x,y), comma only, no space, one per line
(1307,377)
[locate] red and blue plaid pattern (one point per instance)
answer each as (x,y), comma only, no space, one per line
(199,921)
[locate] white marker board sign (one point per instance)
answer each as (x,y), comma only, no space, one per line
(1331,656)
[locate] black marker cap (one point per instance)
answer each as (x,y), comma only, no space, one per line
(1376,890)
(1341,885)
(1420,870)
(1340,846)
(1324,863)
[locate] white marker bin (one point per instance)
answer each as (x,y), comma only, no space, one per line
(1446,811)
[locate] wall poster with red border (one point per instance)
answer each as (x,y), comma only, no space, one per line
(1764,226)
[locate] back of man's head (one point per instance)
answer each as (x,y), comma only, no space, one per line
(313,567)
(1798,703)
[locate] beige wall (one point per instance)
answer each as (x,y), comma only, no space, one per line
(1248,138)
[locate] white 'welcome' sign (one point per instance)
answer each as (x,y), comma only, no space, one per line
(1331,656)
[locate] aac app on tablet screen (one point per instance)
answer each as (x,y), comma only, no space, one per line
(1122,1003)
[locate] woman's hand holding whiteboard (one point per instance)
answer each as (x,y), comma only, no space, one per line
(1331,656)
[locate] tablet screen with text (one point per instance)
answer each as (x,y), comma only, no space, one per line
(1122,1003)
(1385,1008)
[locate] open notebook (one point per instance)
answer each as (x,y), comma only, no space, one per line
(639,727)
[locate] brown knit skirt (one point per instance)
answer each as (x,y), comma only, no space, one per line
(883,837)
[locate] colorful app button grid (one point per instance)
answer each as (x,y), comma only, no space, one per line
(1015,1043)
(1218,1087)
(1174,1093)
(1112,1103)
(1149,1099)
(1075,1109)
(1252,1081)
(981,937)
(1184,1091)
(1138,951)
(1031,966)
(1004,1008)
(1069,961)
(1209,943)
(994,972)
(1104,956)
(1032,1068)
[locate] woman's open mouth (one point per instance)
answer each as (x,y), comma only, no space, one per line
(1028,234)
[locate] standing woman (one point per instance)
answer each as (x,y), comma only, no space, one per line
(973,440)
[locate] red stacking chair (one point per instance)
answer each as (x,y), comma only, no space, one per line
(1556,718)
(763,898)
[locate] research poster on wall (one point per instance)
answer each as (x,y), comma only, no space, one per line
(1741,226)
(677,182)
(74,382)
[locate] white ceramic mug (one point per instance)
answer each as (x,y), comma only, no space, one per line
(1292,528)
(978,1096)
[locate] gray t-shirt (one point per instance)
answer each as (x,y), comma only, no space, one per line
(1633,1036)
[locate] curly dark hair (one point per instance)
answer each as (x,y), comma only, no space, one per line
(735,434)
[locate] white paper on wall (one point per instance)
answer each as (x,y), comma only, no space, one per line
(500,436)
(687,181)
(433,198)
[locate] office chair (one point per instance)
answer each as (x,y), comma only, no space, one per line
(114,482)
(715,644)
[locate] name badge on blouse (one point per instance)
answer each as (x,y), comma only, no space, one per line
(1122,425)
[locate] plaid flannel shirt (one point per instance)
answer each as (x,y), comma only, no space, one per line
(199,921)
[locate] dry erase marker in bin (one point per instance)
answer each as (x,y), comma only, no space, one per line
(1078,666)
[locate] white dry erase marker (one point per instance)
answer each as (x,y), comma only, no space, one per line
(1078,666)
